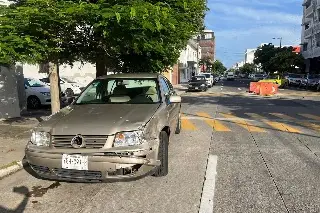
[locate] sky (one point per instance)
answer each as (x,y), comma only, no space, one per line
(245,24)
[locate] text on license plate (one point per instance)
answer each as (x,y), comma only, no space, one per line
(77,162)
(196,87)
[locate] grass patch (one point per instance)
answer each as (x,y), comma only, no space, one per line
(10,164)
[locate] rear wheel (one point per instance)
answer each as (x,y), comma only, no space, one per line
(162,170)
(33,102)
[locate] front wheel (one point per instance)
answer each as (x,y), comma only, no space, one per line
(163,169)
(33,102)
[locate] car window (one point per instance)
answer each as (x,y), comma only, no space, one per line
(33,82)
(207,75)
(124,91)
(164,86)
(171,89)
(198,78)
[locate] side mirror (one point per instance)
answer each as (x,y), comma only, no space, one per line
(175,99)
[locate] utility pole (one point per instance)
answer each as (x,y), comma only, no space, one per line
(280,41)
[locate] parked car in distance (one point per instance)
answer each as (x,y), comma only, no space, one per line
(295,79)
(230,76)
(277,79)
(198,83)
(70,88)
(209,79)
(257,77)
(118,128)
(310,81)
(37,93)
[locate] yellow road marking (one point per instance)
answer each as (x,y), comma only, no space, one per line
(283,116)
(216,125)
(276,125)
(306,124)
(186,124)
(244,124)
(314,117)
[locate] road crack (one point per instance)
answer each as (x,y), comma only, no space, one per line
(270,173)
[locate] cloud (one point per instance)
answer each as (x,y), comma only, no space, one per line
(264,16)
(245,24)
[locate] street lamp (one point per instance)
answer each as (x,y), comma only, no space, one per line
(279,39)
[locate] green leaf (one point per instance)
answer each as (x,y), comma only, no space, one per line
(118,17)
(132,13)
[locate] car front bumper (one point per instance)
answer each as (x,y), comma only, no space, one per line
(103,164)
(195,88)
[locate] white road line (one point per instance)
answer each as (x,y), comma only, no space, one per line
(206,204)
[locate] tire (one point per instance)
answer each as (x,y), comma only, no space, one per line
(69,92)
(178,128)
(33,102)
(163,169)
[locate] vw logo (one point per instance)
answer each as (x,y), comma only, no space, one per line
(78,142)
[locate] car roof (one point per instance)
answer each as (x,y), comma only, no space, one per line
(131,75)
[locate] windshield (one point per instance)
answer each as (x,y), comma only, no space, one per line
(259,75)
(124,91)
(207,75)
(198,78)
(312,76)
(69,81)
(31,82)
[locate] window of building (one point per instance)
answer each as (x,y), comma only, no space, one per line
(307,26)
(317,38)
(305,47)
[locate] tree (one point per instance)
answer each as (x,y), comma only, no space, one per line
(279,60)
(218,67)
(263,55)
(247,68)
(129,36)
(287,61)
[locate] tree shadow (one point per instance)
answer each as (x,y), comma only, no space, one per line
(23,190)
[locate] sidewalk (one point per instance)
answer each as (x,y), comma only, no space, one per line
(14,135)
(180,88)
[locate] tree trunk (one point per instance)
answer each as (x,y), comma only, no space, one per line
(100,67)
(54,87)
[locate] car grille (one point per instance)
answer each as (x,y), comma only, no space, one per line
(40,169)
(81,174)
(92,141)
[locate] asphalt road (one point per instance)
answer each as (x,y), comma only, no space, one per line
(267,153)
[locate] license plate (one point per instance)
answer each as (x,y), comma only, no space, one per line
(77,162)
(196,87)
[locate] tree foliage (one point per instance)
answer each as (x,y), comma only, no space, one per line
(218,68)
(132,36)
(247,68)
(272,59)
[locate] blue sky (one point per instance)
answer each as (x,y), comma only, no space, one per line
(245,24)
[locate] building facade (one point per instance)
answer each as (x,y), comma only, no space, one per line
(249,56)
(188,61)
(207,44)
(310,35)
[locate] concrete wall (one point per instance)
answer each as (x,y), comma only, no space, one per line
(9,97)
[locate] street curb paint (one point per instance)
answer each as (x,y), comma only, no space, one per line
(206,203)
(17,166)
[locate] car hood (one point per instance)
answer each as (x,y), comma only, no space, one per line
(41,89)
(106,119)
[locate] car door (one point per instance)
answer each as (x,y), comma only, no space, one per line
(171,108)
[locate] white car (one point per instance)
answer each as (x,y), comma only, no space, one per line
(70,88)
(37,93)
(209,79)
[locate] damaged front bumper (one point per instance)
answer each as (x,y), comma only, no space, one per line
(102,164)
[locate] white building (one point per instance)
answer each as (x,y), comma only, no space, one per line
(310,35)
(188,60)
(249,56)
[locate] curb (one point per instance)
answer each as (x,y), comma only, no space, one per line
(12,168)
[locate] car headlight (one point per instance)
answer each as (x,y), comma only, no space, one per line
(203,85)
(128,139)
(45,93)
(40,138)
